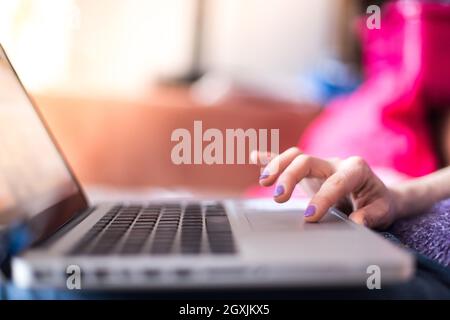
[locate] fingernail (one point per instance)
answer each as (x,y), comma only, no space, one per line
(279,190)
(265,174)
(310,211)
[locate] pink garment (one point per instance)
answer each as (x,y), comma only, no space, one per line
(407,67)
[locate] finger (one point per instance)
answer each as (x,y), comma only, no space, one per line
(277,165)
(359,216)
(301,167)
(261,158)
(347,179)
(310,185)
(371,215)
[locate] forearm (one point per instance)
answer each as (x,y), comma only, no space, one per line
(417,195)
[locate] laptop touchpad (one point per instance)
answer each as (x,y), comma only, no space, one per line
(291,220)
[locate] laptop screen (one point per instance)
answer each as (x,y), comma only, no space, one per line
(33,175)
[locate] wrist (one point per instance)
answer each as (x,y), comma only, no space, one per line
(410,199)
(400,202)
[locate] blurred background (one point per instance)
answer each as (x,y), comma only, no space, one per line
(114,78)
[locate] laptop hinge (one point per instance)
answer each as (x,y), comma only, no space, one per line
(69,225)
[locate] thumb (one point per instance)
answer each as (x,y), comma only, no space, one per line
(359,217)
(366,216)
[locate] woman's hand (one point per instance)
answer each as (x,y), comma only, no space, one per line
(332,181)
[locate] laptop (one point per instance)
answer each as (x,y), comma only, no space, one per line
(49,230)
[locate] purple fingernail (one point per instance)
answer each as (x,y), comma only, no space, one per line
(310,211)
(279,190)
(265,174)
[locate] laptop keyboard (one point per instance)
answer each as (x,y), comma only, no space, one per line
(160,229)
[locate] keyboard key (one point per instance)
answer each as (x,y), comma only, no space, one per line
(131,229)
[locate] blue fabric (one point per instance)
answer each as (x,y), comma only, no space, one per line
(428,233)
